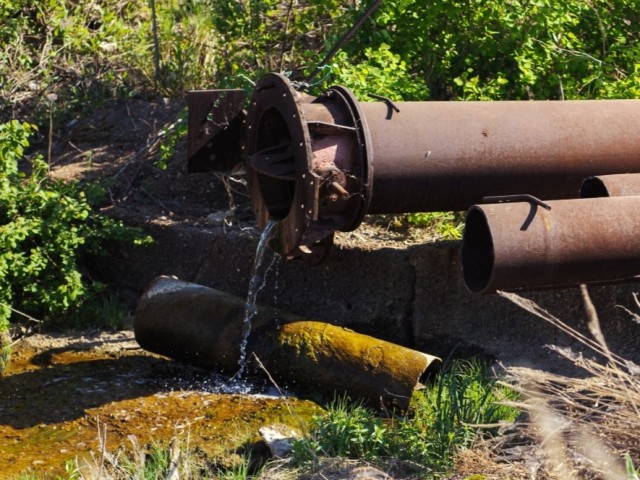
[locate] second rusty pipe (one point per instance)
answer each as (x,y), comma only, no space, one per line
(620,185)
(512,246)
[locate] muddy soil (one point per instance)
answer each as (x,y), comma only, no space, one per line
(63,394)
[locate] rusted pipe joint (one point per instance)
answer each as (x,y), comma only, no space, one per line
(308,163)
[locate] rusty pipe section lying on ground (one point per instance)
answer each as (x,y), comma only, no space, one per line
(203,326)
(319,164)
(523,245)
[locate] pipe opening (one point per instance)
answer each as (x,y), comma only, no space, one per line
(477,251)
(274,163)
(593,187)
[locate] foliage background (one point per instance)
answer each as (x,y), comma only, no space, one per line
(86,51)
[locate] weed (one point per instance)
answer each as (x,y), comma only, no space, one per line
(101,310)
(448,225)
(346,430)
(462,403)
(239,471)
(155,461)
(171,135)
(5,350)
(632,472)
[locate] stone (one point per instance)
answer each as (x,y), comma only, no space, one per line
(279,438)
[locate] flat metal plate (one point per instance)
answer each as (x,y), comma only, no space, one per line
(215,130)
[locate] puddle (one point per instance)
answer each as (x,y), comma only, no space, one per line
(56,395)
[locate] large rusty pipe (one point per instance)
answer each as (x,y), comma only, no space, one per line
(437,156)
(318,164)
(512,246)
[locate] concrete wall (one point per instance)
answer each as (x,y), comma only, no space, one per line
(415,296)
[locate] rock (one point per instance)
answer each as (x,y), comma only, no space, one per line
(219,219)
(367,473)
(279,438)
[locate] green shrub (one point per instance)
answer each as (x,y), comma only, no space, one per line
(46,227)
(382,73)
(513,49)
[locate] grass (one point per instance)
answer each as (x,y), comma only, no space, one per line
(177,461)
(459,407)
(588,427)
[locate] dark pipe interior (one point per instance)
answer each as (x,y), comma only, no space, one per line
(593,187)
(273,135)
(477,251)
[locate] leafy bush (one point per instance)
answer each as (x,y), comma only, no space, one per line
(383,73)
(46,227)
(515,49)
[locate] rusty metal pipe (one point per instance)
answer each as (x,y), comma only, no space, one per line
(382,157)
(621,185)
(512,246)
(435,156)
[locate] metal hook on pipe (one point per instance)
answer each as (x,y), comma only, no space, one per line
(522,197)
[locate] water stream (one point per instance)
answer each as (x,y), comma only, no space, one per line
(256,284)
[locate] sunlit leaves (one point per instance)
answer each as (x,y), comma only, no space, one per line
(45,226)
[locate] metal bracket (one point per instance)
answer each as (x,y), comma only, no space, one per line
(390,105)
(522,197)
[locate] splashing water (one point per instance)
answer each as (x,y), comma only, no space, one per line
(256,284)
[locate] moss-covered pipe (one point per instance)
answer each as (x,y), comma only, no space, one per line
(203,326)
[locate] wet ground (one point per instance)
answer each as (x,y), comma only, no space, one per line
(59,392)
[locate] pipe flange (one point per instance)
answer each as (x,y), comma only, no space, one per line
(278,155)
(309,165)
(364,162)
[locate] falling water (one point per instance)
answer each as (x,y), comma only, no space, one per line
(256,284)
